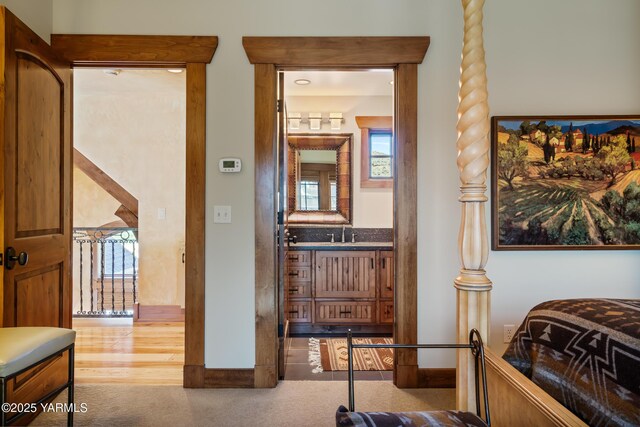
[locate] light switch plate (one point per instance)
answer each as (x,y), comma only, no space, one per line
(162,213)
(222,214)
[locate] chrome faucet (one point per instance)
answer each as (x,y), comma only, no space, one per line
(332,238)
(343,234)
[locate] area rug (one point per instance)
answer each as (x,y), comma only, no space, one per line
(330,354)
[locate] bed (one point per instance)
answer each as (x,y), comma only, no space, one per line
(572,362)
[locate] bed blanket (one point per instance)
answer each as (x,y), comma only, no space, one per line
(585,353)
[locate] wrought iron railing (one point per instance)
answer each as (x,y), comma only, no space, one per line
(106,273)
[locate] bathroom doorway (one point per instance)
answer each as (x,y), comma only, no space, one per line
(336,169)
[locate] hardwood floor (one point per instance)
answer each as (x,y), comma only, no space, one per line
(119,351)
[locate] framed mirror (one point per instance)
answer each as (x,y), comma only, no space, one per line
(319,184)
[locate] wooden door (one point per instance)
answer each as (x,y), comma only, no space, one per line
(345,274)
(36,184)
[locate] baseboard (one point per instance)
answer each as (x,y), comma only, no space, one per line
(437,378)
(193,376)
(228,378)
(157,313)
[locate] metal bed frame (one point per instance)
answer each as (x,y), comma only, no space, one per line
(475,345)
(5,420)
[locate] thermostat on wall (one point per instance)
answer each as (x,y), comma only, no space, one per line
(230,165)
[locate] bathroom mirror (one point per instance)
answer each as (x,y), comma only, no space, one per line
(319,170)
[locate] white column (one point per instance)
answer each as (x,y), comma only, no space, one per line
(472,285)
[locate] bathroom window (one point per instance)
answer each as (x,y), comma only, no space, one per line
(334,197)
(376,153)
(380,154)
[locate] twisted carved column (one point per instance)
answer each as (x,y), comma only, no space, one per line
(472,285)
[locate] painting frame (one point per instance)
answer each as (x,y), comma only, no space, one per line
(561,201)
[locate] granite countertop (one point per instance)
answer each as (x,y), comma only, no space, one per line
(338,246)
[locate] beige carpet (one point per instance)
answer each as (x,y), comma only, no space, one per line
(299,403)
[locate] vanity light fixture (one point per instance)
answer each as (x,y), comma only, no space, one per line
(336,120)
(302,82)
(315,121)
(294,121)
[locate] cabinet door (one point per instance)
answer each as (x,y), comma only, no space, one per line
(345,312)
(345,274)
(386,311)
(298,281)
(386,275)
(299,311)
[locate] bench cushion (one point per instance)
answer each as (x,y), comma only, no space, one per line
(344,418)
(22,347)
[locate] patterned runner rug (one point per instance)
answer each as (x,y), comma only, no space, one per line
(330,354)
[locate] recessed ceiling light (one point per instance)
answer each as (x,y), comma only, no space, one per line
(302,82)
(175,70)
(112,71)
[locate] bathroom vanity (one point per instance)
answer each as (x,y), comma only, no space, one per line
(337,286)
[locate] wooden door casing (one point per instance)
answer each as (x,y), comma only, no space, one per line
(35,194)
(345,274)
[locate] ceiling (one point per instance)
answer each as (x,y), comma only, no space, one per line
(340,83)
(90,81)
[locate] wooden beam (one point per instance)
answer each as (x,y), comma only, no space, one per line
(95,49)
(335,51)
(127,216)
(107,183)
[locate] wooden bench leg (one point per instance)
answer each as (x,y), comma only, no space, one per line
(70,385)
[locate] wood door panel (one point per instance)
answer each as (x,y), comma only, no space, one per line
(349,312)
(386,274)
(39,144)
(42,290)
(345,274)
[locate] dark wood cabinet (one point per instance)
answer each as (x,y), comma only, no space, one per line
(339,288)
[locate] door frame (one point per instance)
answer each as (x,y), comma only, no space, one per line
(403,54)
(192,53)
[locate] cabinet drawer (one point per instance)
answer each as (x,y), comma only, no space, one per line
(298,274)
(299,258)
(298,289)
(299,311)
(385,311)
(348,312)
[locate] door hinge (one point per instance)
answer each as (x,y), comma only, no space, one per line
(280,218)
(279,105)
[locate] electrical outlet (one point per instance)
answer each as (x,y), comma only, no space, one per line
(508,332)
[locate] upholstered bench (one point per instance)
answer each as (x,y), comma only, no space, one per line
(26,347)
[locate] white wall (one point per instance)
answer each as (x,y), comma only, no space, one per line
(37,14)
(548,56)
(372,207)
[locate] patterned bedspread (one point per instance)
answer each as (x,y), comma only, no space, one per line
(344,418)
(585,353)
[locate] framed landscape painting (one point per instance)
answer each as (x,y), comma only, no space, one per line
(565,182)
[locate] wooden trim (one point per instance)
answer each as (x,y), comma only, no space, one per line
(406,222)
(136,51)
(335,51)
(437,378)
(105,182)
(195,218)
(157,313)
(266,53)
(89,49)
(515,400)
(265,218)
(193,376)
(3,136)
(228,378)
(366,124)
